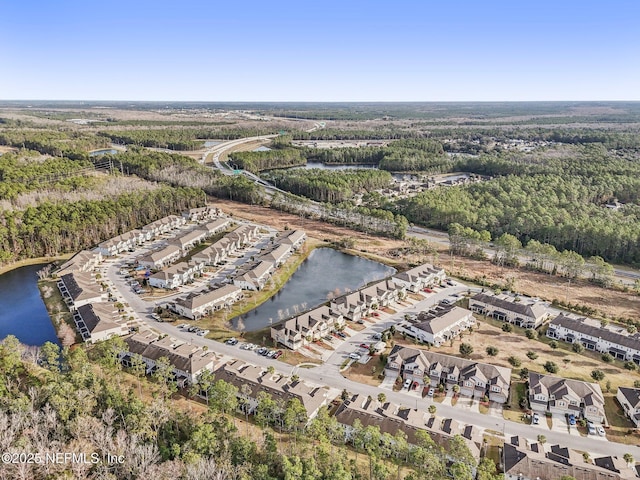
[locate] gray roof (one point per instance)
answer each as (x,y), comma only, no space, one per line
(578,325)
(534,309)
(632,395)
(439,319)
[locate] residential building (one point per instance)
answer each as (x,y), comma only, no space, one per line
(565,396)
(363,302)
(190,239)
(278,255)
(295,238)
(522,311)
(195,306)
(278,386)
(99,321)
(201,213)
(420,277)
(161,258)
(439,324)
(256,278)
(629,399)
(80,288)
(244,234)
(307,327)
(188,361)
(593,336)
(535,461)
(175,276)
(121,243)
(83,261)
(424,368)
(391,418)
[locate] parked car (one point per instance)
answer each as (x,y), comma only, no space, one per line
(376,336)
(354,356)
(431,392)
(600,430)
(535,419)
(428,290)
(375,314)
(342,335)
(591,428)
(261,351)
(232,341)
(365,346)
(271,353)
(572,419)
(277,354)
(407,383)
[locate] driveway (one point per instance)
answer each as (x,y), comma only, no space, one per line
(559,423)
(447,398)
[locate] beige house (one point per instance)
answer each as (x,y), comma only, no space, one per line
(522,311)
(161,258)
(439,324)
(420,277)
(256,278)
(565,396)
(80,288)
(195,306)
(424,368)
(83,261)
(99,321)
(307,327)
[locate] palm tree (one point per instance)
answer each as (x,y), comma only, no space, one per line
(432,410)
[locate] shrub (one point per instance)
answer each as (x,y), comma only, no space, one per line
(524,373)
(577,347)
(597,375)
(630,366)
(553,344)
(514,361)
(607,357)
(531,355)
(531,334)
(507,327)
(551,367)
(466,349)
(492,351)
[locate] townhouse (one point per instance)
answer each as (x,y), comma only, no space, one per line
(307,327)
(256,278)
(278,386)
(195,306)
(201,213)
(593,336)
(121,243)
(176,275)
(356,305)
(216,253)
(190,239)
(244,234)
(522,311)
(534,461)
(391,418)
(629,399)
(475,380)
(163,225)
(99,321)
(565,396)
(83,261)
(278,255)
(439,324)
(294,238)
(187,361)
(420,277)
(80,288)
(160,258)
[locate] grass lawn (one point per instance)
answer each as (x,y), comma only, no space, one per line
(621,429)
(514,412)
(483,408)
(368,373)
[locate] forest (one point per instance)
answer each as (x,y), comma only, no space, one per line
(81,400)
(329,186)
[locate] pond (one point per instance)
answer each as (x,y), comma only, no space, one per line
(324,274)
(22,311)
(106,151)
(327,166)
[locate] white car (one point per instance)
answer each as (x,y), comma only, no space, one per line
(591,428)
(406,383)
(600,430)
(535,419)
(354,356)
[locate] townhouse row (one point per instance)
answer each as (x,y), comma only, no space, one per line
(537,461)
(519,310)
(614,340)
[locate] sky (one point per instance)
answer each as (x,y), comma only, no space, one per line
(349,50)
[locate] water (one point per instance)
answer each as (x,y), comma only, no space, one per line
(326,166)
(211,143)
(22,311)
(262,149)
(325,271)
(106,151)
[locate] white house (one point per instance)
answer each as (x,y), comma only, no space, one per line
(439,324)
(256,278)
(420,277)
(83,261)
(160,258)
(98,321)
(278,255)
(629,399)
(174,276)
(295,238)
(195,306)
(593,336)
(80,288)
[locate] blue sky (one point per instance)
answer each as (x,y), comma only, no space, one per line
(221,50)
